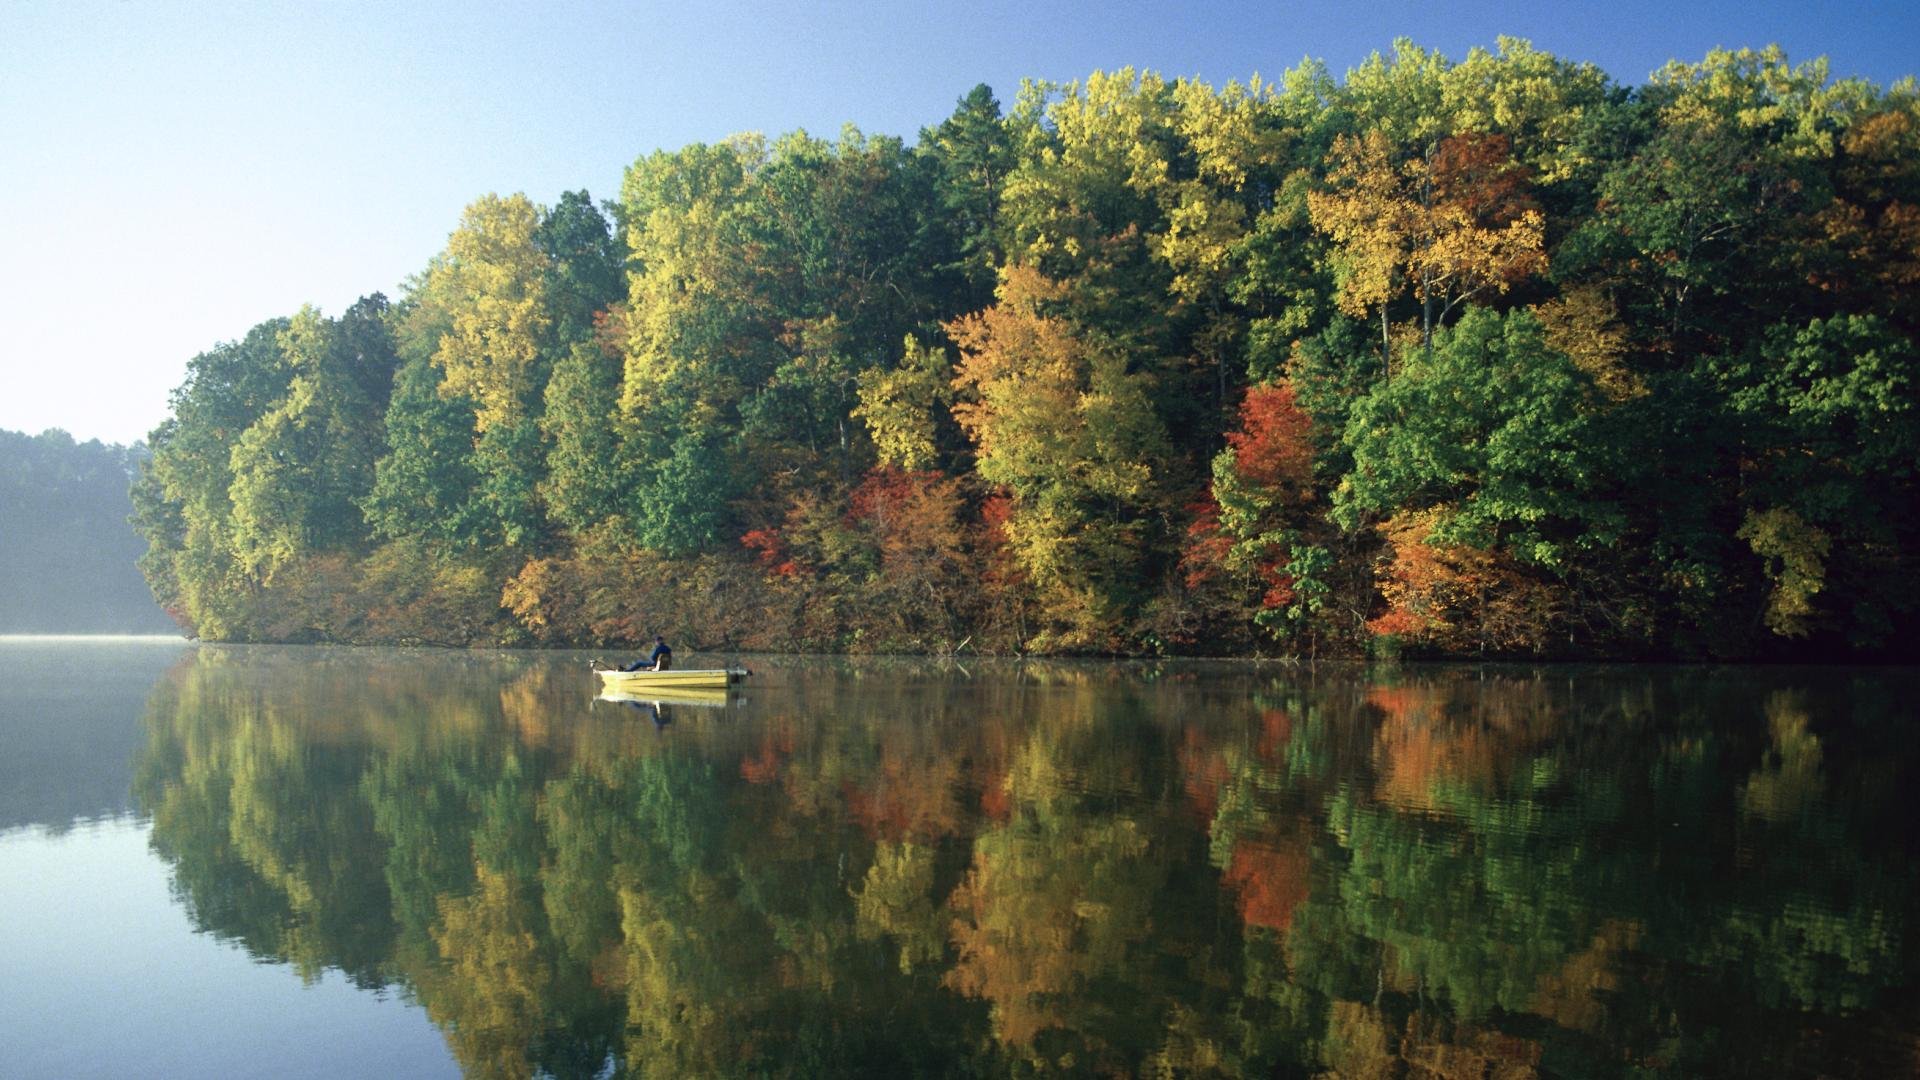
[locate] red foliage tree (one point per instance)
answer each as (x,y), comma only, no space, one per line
(1273,449)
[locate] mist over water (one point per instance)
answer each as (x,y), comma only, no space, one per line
(70,723)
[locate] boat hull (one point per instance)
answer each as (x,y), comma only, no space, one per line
(638,682)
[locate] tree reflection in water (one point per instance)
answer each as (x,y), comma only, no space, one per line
(1077,868)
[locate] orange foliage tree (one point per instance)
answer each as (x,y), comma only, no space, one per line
(1457,598)
(923,582)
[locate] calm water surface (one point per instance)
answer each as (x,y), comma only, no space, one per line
(312,862)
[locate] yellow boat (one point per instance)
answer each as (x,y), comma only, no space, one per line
(640,682)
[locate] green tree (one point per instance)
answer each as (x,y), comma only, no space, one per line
(424,486)
(1490,428)
(585,481)
(1827,413)
(299,468)
(586,269)
(495,318)
(681,507)
(71,565)
(975,155)
(183,498)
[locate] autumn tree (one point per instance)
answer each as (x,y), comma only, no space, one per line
(1256,529)
(903,407)
(1484,442)
(1657,341)
(1450,225)
(1060,422)
(493,285)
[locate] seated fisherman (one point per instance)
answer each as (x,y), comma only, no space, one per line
(661,659)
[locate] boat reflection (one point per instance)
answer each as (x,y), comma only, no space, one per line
(658,706)
(699,699)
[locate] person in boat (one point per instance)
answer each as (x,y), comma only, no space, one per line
(661,659)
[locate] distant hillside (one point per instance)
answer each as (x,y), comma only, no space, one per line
(67,553)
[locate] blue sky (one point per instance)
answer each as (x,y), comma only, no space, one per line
(173,172)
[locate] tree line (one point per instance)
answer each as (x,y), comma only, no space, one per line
(1487,357)
(66,551)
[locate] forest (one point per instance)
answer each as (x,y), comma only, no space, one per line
(69,551)
(1486,357)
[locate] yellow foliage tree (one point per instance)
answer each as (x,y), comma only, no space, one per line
(1450,224)
(1796,556)
(1061,423)
(1581,324)
(492,283)
(900,406)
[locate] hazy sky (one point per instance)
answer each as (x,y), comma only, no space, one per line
(174,172)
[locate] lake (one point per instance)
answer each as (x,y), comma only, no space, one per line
(331,862)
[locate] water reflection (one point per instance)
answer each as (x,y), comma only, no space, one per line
(890,869)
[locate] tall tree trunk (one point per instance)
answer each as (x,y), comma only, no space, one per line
(1386,346)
